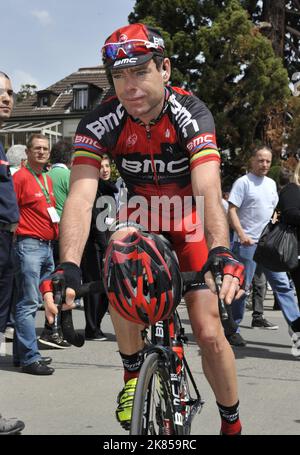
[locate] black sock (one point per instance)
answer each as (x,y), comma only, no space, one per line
(230,419)
(132,364)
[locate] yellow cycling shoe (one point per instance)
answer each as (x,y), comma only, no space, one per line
(125,403)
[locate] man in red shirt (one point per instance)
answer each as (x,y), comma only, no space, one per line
(38,227)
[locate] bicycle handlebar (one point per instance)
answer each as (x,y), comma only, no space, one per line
(217,274)
(225,311)
(65,317)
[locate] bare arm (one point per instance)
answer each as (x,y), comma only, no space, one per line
(236,225)
(206,182)
(76,219)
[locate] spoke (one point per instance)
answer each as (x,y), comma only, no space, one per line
(159,420)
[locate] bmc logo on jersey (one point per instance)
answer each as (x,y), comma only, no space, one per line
(107,123)
(85,140)
(146,166)
(183,117)
(205,138)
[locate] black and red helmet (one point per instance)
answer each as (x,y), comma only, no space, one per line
(142,277)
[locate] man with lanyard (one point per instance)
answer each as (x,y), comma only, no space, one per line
(163,142)
(9,216)
(38,227)
(60,160)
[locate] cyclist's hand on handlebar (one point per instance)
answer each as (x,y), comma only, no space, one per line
(70,274)
(231,271)
(51,309)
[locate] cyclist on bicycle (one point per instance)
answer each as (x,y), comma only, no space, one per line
(162,140)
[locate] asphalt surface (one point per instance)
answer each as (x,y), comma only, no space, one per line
(80,397)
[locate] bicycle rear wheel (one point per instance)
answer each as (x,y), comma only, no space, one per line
(153,410)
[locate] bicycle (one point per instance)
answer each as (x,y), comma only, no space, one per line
(163,403)
(166,398)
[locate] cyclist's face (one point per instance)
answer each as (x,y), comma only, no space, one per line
(140,89)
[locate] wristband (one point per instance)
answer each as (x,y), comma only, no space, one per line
(222,250)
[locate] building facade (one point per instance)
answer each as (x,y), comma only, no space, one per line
(56,110)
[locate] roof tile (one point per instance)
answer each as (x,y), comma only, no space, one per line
(29,109)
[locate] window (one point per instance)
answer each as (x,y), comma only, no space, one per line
(81,97)
(43,101)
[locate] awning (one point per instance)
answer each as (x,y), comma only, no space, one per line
(32,127)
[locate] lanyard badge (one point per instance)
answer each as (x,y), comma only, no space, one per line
(45,189)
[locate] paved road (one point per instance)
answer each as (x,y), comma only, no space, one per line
(80,397)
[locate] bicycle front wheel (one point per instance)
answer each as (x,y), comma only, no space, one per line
(153,410)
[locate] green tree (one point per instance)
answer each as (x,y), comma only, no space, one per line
(241,79)
(179,21)
(279,20)
(274,173)
(293,126)
(25,91)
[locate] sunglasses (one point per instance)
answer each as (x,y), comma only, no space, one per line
(131,48)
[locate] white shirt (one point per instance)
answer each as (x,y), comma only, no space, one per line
(256,198)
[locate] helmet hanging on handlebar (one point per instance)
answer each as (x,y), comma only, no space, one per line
(142,277)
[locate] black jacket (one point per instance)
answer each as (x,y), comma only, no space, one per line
(100,236)
(9,210)
(289,206)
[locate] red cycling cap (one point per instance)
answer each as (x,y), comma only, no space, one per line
(132,45)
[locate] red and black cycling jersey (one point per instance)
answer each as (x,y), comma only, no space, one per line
(156,159)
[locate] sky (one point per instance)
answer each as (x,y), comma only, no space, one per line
(43,41)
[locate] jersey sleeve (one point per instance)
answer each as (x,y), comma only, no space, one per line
(87,147)
(196,129)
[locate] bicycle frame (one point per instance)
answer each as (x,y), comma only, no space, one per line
(167,337)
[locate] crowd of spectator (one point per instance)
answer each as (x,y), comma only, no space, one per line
(253,201)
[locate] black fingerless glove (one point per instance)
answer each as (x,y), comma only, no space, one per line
(70,273)
(227,262)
